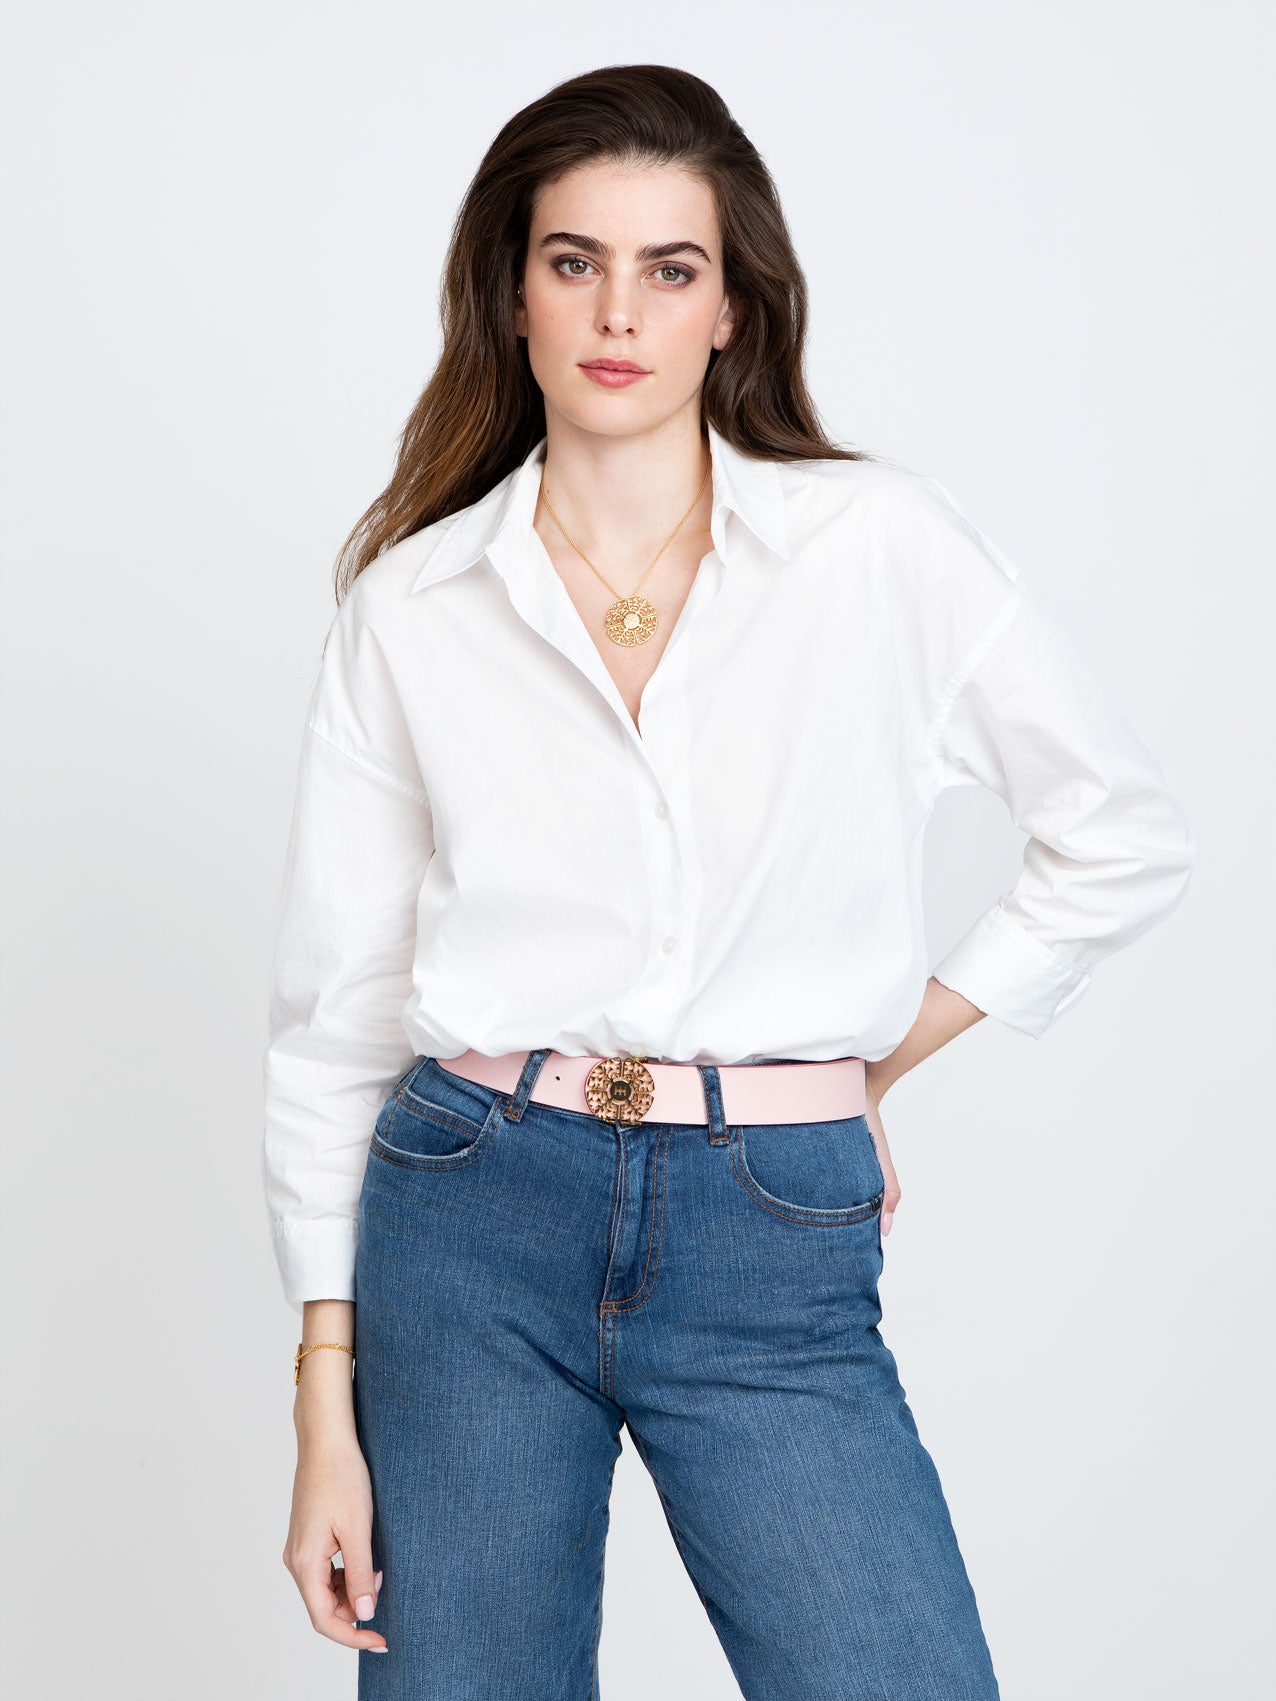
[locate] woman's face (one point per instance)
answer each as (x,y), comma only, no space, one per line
(622,264)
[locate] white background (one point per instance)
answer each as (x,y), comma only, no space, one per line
(1039,243)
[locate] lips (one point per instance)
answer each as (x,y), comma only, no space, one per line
(613,366)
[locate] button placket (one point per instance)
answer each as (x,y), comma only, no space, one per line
(661,772)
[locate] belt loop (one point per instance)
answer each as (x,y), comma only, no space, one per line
(712,1083)
(526,1081)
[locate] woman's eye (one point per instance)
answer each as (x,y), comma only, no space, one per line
(568,260)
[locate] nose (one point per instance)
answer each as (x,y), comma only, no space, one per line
(619,308)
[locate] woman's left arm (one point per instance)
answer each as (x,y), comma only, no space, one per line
(1109,850)
(944,1014)
(1014,707)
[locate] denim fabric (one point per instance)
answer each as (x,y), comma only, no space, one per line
(528,1280)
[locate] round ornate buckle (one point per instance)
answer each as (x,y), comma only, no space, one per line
(620,1088)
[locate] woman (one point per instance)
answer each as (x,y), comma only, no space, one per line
(600,946)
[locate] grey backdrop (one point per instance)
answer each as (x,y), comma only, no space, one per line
(1039,241)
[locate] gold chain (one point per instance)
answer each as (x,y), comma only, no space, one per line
(632,619)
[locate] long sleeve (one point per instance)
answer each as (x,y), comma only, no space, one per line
(361,837)
(1109,851)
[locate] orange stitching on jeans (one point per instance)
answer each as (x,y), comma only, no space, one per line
(615,1304)
(431,1112)
(660,1164)
(817,1214)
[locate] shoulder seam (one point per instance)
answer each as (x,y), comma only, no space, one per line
(958,680)
(386,779)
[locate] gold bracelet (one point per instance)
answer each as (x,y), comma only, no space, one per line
(302,1351)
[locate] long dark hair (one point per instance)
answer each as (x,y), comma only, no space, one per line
(482,410)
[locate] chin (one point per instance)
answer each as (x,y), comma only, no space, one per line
(608,416)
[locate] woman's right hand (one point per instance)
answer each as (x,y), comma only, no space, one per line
(332,1490)
(331,1509)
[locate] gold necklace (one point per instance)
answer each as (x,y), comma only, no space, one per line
(632,619)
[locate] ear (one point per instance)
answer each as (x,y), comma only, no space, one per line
(520,311)
(725,326)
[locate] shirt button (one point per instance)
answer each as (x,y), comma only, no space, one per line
(669,946)
(662,809)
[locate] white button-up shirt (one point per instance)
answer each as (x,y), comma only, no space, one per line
(487,852)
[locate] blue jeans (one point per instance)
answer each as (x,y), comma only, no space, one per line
(528,1280)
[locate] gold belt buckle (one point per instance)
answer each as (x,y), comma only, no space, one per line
(620,1088)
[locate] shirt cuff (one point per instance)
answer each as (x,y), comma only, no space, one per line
(1011,976)
(317,1259)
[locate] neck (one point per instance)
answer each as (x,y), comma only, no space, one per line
(621,497)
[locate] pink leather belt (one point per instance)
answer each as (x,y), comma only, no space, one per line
(634,1090)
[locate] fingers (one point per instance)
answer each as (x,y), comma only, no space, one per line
(891,1194)
(359,1586)
(890,1199)
(324,1590)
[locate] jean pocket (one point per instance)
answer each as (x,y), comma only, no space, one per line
(436,1119)
(813,1172)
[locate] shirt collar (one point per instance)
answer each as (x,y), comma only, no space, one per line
(749,487)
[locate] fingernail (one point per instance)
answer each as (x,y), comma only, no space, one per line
(888,1217)
(365,1606)
(376,1650)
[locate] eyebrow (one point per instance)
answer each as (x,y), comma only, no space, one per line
(604,250)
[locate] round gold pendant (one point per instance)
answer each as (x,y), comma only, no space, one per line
(632,620)
(619,1087)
